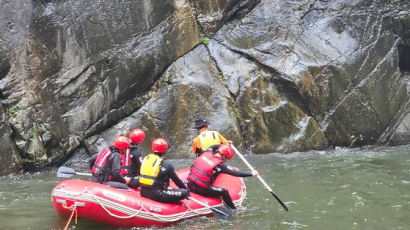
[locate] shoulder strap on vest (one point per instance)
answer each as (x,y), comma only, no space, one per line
(149,169)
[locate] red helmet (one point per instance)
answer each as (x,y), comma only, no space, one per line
(121,142)
(137,136)
(226,150)
(159,145)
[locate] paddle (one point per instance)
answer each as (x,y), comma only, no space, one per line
(259,177)
(219,212)
(66,172)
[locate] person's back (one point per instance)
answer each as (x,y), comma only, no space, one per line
(101,164)
(202,170)
(205,169)
(156,173)
(136,155)
(133,163)
(136,136)
(106,165)
(205,138)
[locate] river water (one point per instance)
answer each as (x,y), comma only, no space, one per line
(367,188)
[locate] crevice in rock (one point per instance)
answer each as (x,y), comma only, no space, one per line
(243,8)
(233,99)
(387,136)
(353,88)
(235,10)
(284,83)
(4,70)
(219,69)
(200,27)
(404,58)
(74,78)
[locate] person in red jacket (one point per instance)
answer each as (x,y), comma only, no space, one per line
(207,167)
(106,165)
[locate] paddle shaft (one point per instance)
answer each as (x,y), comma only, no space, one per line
(83,174)
(259,177)
(64,172)
(250,167)
(206,205)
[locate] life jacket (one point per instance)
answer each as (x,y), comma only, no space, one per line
(208,138)
(100,164)
(149,170)
(202,170)
(125,162)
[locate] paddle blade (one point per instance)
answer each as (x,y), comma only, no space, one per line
(65,172)
(222,213)
(280,202)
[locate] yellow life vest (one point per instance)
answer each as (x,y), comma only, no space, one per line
(150,169)
(208,138)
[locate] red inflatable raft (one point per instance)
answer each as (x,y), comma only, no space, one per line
(126,208)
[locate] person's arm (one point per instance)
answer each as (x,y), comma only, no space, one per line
(116,169)
(222,138)
(196,146)
(174,177)
(92,160)
(223,168)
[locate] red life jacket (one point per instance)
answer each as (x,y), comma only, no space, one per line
(100,163)
(125,162)
(202,169)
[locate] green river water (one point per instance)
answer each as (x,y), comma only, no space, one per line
(367,188)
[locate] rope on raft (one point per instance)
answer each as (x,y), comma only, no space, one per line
(97,199)
(157,216)
(73,209)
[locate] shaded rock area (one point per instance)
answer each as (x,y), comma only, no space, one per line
(9,155)
(271,75)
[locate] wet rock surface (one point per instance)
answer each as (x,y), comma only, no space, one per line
(273,76)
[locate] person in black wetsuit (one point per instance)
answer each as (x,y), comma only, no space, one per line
(136,136)
(106,165)
(207,167)
(156,173)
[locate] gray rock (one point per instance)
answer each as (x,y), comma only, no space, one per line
(9,155)
(272,75)
(189,88)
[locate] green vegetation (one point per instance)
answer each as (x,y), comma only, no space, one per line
(235,109)
(205,41)
(13,111)
(354,139)
(221,75)
(33,132)
(300,7)
(167,78)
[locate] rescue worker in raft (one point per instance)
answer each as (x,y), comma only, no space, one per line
(206,138)
(207,167)
(106,165)
(156,173)
(131,165)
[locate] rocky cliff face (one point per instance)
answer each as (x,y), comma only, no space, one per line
(273,76)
